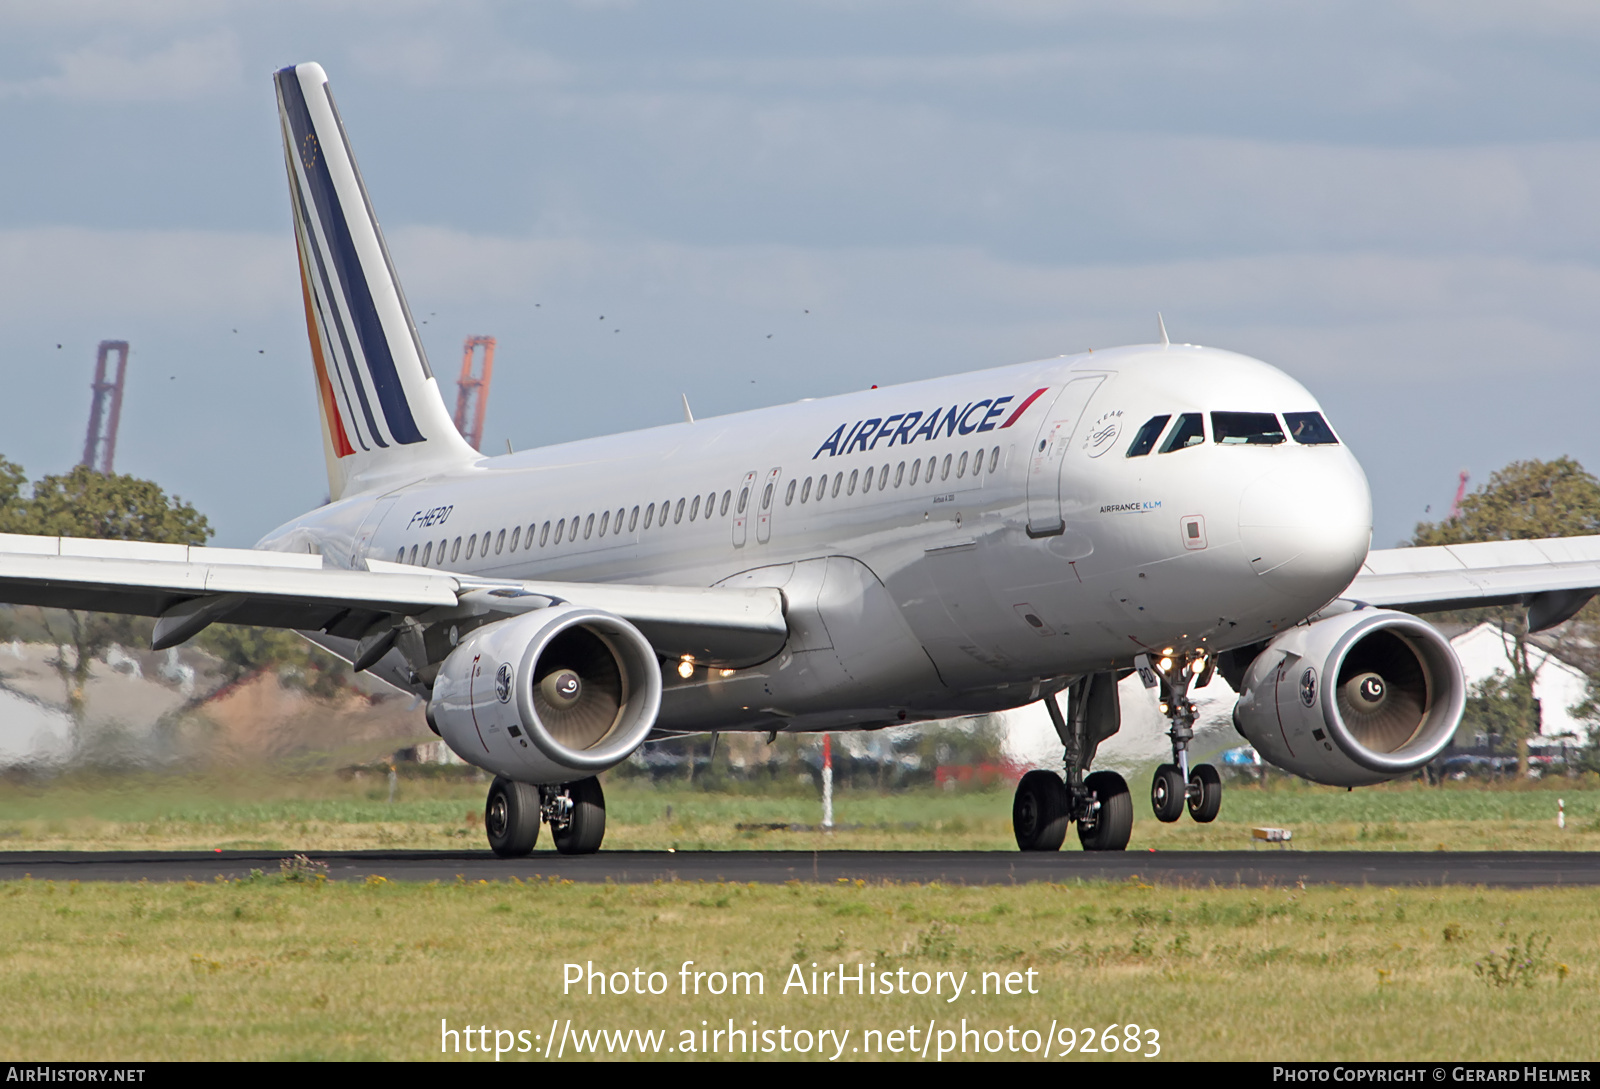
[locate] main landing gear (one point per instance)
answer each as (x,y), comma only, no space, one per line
(1099,803)
(1175,785)
(575,812)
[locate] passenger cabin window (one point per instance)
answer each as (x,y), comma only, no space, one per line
(1190,431)
(1309,429)
(516,535)
(1145,440)
(727,497)
(788,496)
(1246,428)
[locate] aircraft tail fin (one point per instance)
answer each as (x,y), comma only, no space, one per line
(383,419)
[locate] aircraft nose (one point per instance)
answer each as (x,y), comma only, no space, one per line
(1306,525)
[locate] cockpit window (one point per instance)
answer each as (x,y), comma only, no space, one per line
(1145,440)
(1190,431)
(1309,429)
(1246,428)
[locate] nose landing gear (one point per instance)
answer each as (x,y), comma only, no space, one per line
(1175,785)
(1099,804)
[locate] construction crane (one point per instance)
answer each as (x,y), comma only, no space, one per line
(105,410)
(472,391)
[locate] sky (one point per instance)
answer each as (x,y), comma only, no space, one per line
(751,203)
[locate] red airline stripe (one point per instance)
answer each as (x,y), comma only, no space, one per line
(1023,407)
(330,407)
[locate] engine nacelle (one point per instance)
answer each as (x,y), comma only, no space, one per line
(1355,699)
(549,696)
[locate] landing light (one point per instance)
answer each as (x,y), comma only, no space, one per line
(1166,665)
(686,667)
(725,672)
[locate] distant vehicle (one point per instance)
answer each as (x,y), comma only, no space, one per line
(1242,757)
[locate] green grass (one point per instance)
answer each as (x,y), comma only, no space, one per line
(326,812)
(275,969)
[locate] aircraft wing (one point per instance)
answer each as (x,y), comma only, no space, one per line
(186,588)
(1553,577)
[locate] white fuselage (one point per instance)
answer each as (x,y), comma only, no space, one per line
(994,553)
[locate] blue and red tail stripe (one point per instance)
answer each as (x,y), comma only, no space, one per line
(339,297)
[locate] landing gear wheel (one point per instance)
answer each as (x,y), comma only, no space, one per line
(586,825)
(1112,824)
(1041,811)
(1167,793)
(511,817)
(1205,793)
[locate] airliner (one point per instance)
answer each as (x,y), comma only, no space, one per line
(944,548)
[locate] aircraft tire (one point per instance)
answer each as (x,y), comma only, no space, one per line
(1040,812)
(587,826)
(1205,801)
(1167,793)
(1113,827)
(511,818)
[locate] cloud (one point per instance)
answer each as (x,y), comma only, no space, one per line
(1364,313)
(181,276)
(185,69)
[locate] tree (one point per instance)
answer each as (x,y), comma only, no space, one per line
(1524,501)
(245,650)
(86,503)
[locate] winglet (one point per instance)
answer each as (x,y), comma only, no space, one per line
(1165,343)
(688,417)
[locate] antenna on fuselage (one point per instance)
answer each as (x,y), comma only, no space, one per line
(1163,327)
(688,417)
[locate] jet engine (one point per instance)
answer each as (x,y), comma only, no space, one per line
(1354,699)
(550,696)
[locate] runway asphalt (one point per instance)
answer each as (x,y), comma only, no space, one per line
(1511,869)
